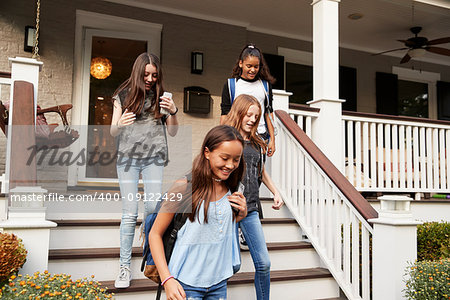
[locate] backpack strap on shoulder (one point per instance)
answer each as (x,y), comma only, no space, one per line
(232,89)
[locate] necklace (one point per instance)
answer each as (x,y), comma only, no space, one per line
(217,180)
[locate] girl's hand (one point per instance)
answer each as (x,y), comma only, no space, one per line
(271,148)
(277,202)
(126,119)
(238,201)
(174,290)
(168,104)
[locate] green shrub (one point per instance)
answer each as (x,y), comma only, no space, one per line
(428,280)
(433,241)
(12,256)
(47,286)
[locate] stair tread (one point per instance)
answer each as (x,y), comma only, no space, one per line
(116,222)
(140,285)
(86,253)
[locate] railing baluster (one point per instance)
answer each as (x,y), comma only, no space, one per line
(373,155)
(290,144)
(366,154)
(337,231)
(308,126)
(350,161)
(307,193)
(416,157)
(314,200)
(346,244)
(447,149)
(387,153)
(358,153)
(329,218)
(301,180)
(365,276)
(401,146)
(321,213)
(435,159)
(442,158)
(300,122)
(409,157)
(380,159)
(429,160)
(423,163)
(395,156)
(355,254)
(295,159)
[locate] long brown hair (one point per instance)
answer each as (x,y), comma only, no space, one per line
(202,183)
(252,50)
(237,113)
(134,86)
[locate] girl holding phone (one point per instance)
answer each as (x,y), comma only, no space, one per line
(140,128)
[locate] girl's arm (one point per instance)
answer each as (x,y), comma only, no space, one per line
(172,287)
(120,120)
(171,121)
(225,105)
(271,146)
(277,201)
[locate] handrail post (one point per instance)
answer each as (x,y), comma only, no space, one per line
(327,127)
(394,245)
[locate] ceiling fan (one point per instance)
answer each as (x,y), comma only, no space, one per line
(417,46)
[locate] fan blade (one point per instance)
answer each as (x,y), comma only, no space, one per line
(438,50)
(405,58)
(390,51)
(439,41)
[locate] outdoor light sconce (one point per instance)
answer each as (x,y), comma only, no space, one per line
(30,34)
(196,62)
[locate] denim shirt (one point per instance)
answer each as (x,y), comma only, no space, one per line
(205,253)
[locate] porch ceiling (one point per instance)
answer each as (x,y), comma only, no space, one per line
(384,21)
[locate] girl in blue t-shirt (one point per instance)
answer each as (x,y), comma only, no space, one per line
(206,251)
(244,116)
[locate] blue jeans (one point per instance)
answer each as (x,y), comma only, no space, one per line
(253,233)
(128,174)
(215,292)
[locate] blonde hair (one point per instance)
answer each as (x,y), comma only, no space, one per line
(237,113)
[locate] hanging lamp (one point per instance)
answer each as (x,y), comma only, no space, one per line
(101,67)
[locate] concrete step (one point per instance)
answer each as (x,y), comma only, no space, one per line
(103,262)
(305,284)
(97,233)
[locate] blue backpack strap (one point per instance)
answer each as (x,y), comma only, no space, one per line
(232,88)
(266,85)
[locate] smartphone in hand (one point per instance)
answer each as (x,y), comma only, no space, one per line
(163,110)
(241,188)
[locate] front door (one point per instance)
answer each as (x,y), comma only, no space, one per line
(116,52)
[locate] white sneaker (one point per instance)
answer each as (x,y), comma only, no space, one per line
(242,242)
(124,278)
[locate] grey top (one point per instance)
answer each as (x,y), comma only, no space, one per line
(146,138)
(251,180)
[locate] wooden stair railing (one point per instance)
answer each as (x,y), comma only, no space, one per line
(330,211)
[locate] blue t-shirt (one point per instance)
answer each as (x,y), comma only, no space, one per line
(205,253)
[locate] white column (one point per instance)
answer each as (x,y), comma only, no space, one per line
(394,244)
(26,69)
(27,218)
(327,127)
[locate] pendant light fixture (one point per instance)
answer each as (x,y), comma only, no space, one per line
(101,67)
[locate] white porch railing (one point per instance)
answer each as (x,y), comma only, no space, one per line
(303,115)
(397,154)
(330,211)
(390,153)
